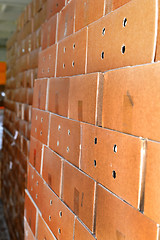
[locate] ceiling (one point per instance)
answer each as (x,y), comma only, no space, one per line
(10,10)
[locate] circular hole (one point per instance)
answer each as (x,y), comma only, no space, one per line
(60,213)
(114,174)
(102,55)
(35,129)
(63,65)
(124,22)
(48,69)
(41,133)
(73,64)
(74,45)
(56,4)
(49,218)
(115,148)
(57,143)
(103,31)
(36,196)
(59,127)
(32,176)
(123,49)
(95,163)
(37,183)
(67,149)
(69,132)
(51,202)
(42,119)
(31,189)
(36,117)
(59,230)
(64,49)
(95,141)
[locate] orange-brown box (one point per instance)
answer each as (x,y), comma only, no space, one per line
(66,20)
(85,98)
(30,75)
(40,125)
(114,47)
(152,194)
(54,6)
(30,212)
(58,96)
(37,39)
(49,32)
(82,231)
(27,112)
(40,18)
(116,4)
(129,105)
(79,194)
(56,214)
(115,160)
(33,59)
(72,54)
(115,219)
(64,138)
(43,231)
(47,62)
(29,96)
(51,171)
(40,92)
(85,12)
(28,235)
(28,131)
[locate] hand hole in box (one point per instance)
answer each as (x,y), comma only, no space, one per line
(73,64)
(103,31)
(36,196)
(74,45)
(57,143)
(48,70)
(41,133)
(41,119)
(60,213)
(35,129)
(59,127)
(59,230)
(95,141)
(69,132)
(49,218)
(64,65)
(115,148)
(102,55)
(51,202)
(123,49)
(67,149)
(124,22)
(37,183)
(95,163)
(114,175)
(64,49)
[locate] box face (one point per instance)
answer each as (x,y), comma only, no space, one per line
(128,101)
(49,32)
(78,193)
(116,4)
(85,98)
(51,171)
(40,92)
(40,125)
(114,47)
(118,220)
(30,213)
(43,230)
(86,14)
(28,232)
(66,21)
(54,6)
(152,194)
(72,54)
(46,65)
(64,138)
(81,230)
(157,55)
(58,96)
(35,154)
(56,214)
(112,159)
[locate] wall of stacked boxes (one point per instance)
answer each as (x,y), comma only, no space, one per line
(93,154)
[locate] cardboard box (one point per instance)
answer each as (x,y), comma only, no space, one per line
(72,54)
(54,6)
(79,194)
(113,40)
(115,219)
(115,160)
(66,21)
(40,125)
(82,232)
(40,94)
(35,154)
(116,4)
(152,194)
(47,61)
(51,171)
(43,230)
(58,96)
(129,105)
(85,98)
(64,138)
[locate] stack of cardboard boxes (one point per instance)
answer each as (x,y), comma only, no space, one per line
(93,166)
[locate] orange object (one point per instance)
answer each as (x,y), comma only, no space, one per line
(54,6)
(40,92)
(35,153)
(3,67)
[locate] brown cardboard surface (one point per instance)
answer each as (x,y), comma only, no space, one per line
(152,185)
(40,93)
(112,159)
(54,6)
(40,125)
(43,230)
(157,56)
(131,101)
(64,138)
(121,37)
(118,220)
(82,232)
(51,171)
(116,4)
(28,232)
(78,194)
(66,20)
(58,96)
(72,54)
(85,98)
(35,154)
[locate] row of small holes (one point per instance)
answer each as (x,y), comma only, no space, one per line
(49,56)
(73,64)
(59,128)
(74,46)
(114,147)
(37,118)
(123,50)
